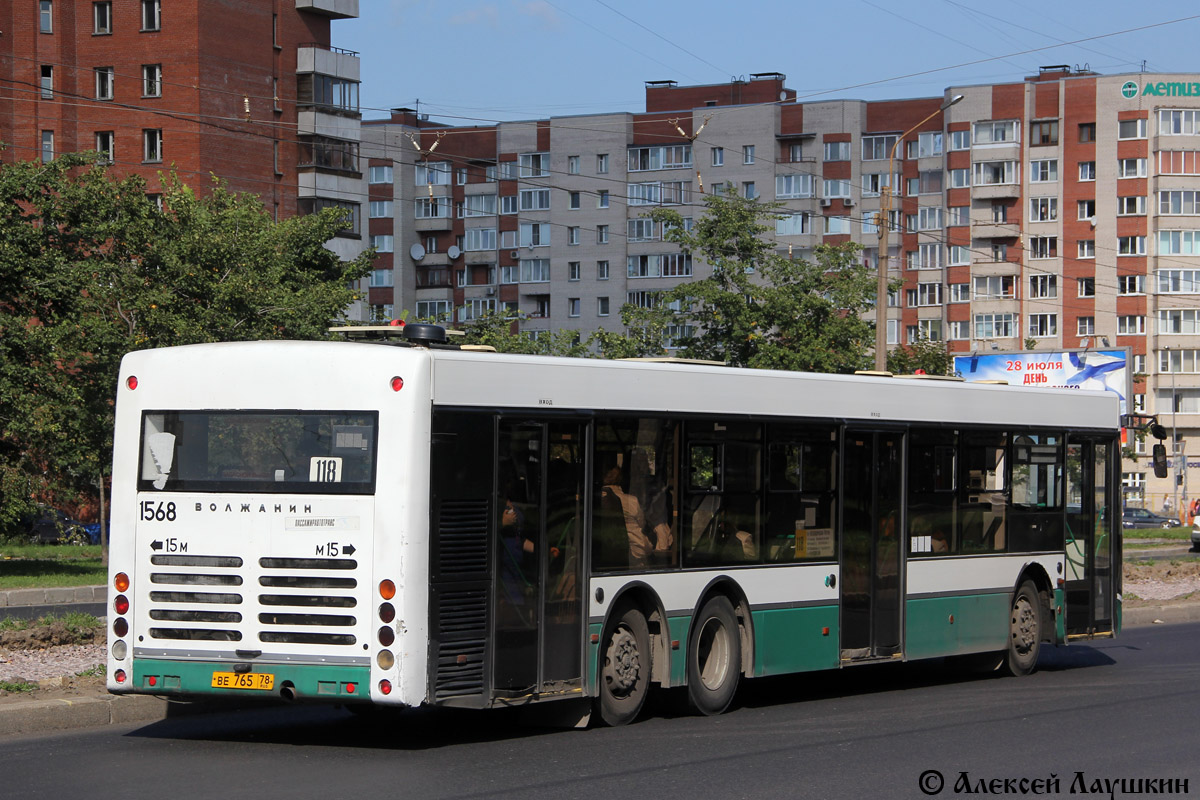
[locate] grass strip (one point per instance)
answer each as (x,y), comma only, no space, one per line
(38,573)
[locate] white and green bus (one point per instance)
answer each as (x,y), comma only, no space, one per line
(415,523)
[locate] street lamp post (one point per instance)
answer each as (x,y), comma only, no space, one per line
(884,259)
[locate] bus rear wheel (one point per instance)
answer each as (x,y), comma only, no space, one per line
(714,659)
(625,673)
(1025,631)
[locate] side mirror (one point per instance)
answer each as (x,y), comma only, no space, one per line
(1158,431)
(1159,459)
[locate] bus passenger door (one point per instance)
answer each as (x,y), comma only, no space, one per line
(871,563)
(538,615)
(1092,546)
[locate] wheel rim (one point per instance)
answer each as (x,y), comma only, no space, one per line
(1024,626)
(622,664)
(712,653)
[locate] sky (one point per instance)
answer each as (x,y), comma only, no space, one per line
(475,62)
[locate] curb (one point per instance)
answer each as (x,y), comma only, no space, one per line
(48,716)
(13,598)
(1160,615)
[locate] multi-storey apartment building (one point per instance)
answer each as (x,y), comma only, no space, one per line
(252,92)
(1058,212)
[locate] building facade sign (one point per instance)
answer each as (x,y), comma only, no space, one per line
(1129,89)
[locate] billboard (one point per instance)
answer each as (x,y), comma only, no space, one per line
(1102,370)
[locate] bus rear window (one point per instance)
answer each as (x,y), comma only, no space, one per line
(320,452)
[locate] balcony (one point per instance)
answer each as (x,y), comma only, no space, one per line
(335,9)
(995,191)
(988,229)
(337,62)
(429,278)
(433,224)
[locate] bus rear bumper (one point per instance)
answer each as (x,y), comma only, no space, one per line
(298,682)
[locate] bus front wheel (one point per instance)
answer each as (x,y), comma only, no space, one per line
(1025,631)
(625,673)
(714,657)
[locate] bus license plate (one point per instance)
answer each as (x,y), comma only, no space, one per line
(263,681)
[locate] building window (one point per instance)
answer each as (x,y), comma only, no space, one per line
(1043,247)
(837,151)
(573,306)
(602,306)
(835,188)
(534,165)
(1086,208)
(574,200)
(1043,209)
(995,173)
(794,224)
(960,293)
(1131,129)
(995,326)
(718,156)
(380,209)
(572,165)
(535,234)
(1042,326)
(573,235)
(1085,287)
(748,154)
(960,178)
(602,199)
(1043,132)
(384,244)
(314,89)
(1131,206)
(323,151)
(382,174)
(105,145)
(380,278)
(535,270)
(994,287)
(602,164)
(1178,122)
(1131,325)
(601,270)
(1131,246)
(1085,326)
(601,234)
(535,199)
(102,17)
(1044,171)
(1043,287)
(960,140)
(1087,170)
(793,186)
(642,229)
(151,15)
(795,152)
(433,310)
(1179,203)
(748,190)
(312,205)
(152,80)
(47,146)
(460,176)
(1131,284)
(573,270)
(47,84)
(46,16)
(1087,248)
(1131,168)
(1087,131)
(1006,132)
(104,83)
(152,145)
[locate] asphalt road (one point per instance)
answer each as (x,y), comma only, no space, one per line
(1111,710)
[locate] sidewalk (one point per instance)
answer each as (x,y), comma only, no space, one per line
(28,716)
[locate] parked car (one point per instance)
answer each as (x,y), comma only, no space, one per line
(1141,518)
(1196,535)
(49,526)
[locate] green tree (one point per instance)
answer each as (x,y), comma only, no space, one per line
(760,308)
(932,357)
(90,269)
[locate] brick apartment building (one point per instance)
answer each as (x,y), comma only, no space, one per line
(1063,209)
(252,92)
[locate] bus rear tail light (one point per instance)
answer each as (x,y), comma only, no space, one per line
(121,582)
(385,686)
(387,589)
(119,650)
(387,612)
(120,626)
(121,604)
(385,659)
(386,636)
(397,383)
(119,676)
(131,382)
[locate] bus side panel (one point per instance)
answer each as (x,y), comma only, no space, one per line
(795,640)
(945,626)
